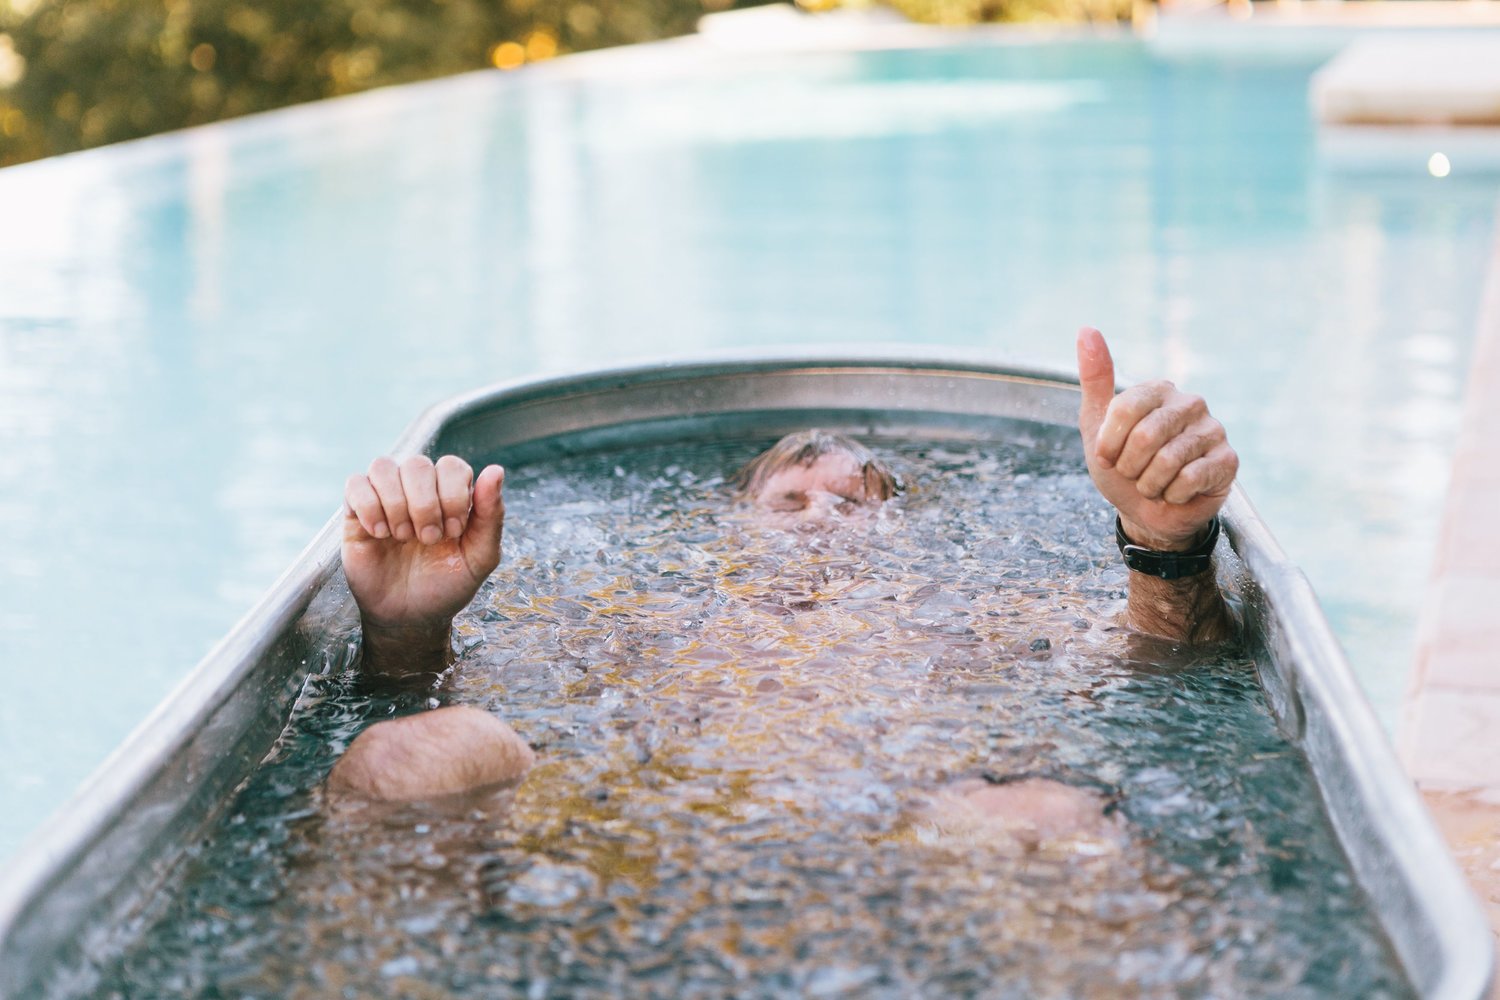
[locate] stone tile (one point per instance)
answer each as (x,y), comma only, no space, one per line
(1472,828)
(1408,725)
(1454,741)
(1476,468)
(1484,376)
(1481,424)
(1485,357)
(1461,612)
(1469,541)
(1458,667)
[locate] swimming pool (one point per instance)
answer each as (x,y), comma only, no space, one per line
(201,335)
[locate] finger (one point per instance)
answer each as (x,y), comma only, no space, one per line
(1175,416)
(1211,475)
(1096,375)
(1124,412)
(361,503)
(419,480)
(385,477)
(1193,443)
(453,481)
(481,541)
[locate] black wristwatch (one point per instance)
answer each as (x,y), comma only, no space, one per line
(1168,565)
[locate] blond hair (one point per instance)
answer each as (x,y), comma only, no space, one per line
(805,448)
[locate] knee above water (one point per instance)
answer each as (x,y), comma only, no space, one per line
(447,751)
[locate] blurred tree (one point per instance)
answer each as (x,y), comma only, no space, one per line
(959,12)
(81,73)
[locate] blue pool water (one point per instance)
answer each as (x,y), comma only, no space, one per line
(201,335)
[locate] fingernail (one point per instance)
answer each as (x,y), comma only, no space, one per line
(403,532)
(454,528)
(430,534)
(382,530)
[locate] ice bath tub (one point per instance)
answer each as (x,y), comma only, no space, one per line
(72,893)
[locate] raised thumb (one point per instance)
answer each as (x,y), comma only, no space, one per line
(1096,374)
(487,519)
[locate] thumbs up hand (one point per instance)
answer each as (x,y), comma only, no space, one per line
(1154,453)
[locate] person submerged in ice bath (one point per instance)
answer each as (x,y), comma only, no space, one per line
(420,538)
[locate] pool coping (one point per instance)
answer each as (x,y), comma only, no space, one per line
(1449,736)
(1456,675)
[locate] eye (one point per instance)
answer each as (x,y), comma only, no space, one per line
(792,500)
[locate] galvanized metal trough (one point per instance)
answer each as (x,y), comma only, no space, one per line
(69,896)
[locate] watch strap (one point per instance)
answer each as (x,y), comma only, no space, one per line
(1168,565)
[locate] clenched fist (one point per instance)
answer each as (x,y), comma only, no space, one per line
(420,538)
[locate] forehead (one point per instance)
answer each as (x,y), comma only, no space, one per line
(833,472)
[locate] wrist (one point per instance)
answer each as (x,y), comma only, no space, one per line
(427,634)
(1138,534)
(1168,564)
(405,653)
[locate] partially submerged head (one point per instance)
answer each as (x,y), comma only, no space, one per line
(815,470)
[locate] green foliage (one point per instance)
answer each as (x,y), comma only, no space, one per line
(88,72)
(81,73)
(960,12)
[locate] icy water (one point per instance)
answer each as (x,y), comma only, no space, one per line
(741,728)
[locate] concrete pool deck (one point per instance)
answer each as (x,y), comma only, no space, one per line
(1450,727)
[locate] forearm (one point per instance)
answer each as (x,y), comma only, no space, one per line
(1191,609)
(1174,589)
(409,656)
(1167,468)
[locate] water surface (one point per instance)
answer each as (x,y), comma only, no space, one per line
(742,727)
